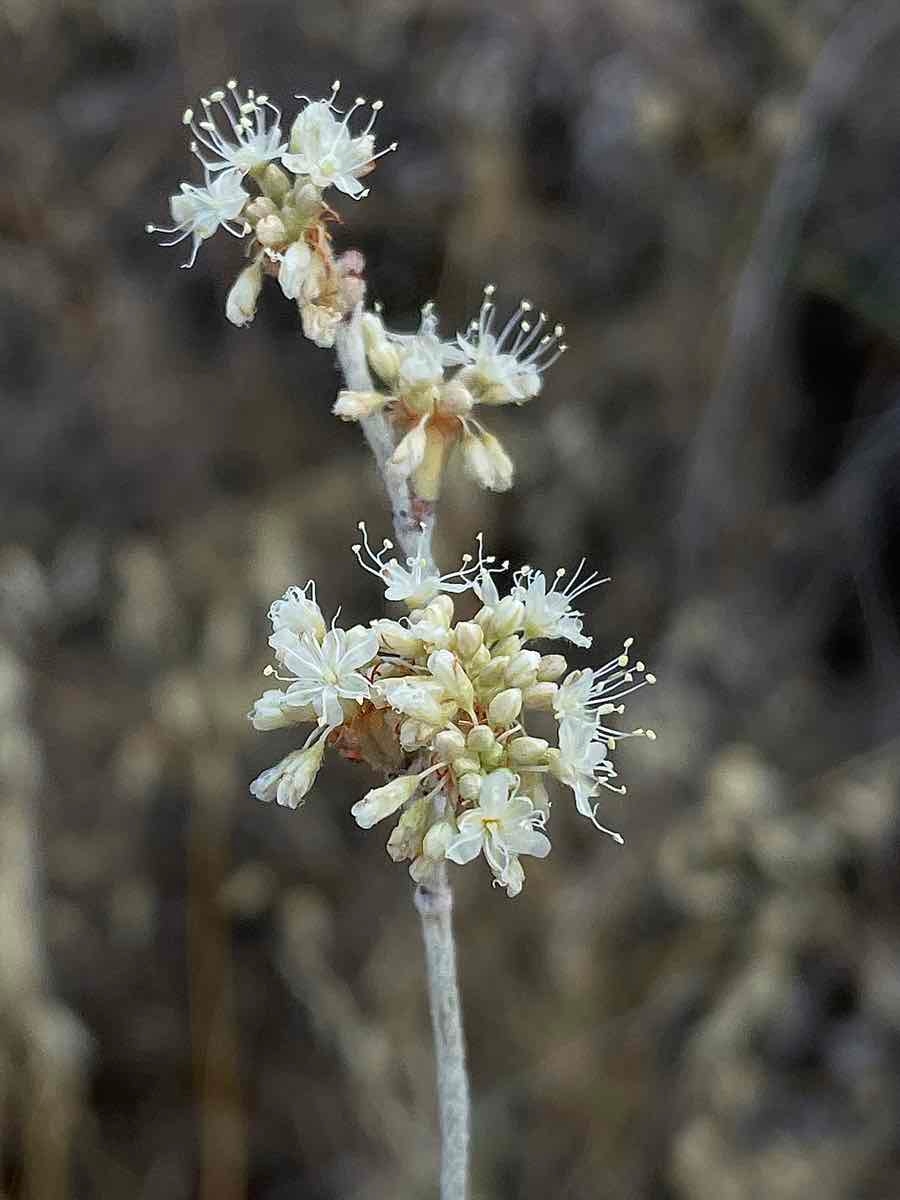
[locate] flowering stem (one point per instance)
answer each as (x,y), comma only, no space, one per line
(414,517)
(435,904)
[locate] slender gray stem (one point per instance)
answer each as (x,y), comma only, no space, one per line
(413,526)
(435,905)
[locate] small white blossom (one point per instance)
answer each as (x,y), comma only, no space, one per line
(299,273)
(323,149)
(549,614)
(507,367)
(502,826)
(590,695)
(584,766)
(327,674)
(422,356)
(418,582)
(248,142)
(275,709)
(198,212)
(383,801)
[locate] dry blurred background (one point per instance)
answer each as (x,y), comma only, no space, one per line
(201,997)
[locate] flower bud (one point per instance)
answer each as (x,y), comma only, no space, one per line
(442,607)
(270,231)
(541,695)
(493,757)
(414,734)
(505,707)
(485,460)
(258,208)
(413,698)
(296,263)
(469,786)
(409,452)
(398,638)
(320,324)
(406,838)
(449,744)
(466,763)
(446,668)
(493,674)
(479,660)
(274,182)
(508,646)
(551,668)
(469,638)
(380,350)
(438,838)
(484,616)
(307,198)
(455,399)
(480,738)
(355,406)
(527,751)
(508,617)
(523,668)
(381,802)
(289,781)
(240,307)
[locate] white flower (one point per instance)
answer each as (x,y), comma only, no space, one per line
(248,142)
(589,695)
(327,675)
(289,781)
(300,272)
(418,582)
(549,614)
(293,615)
(503,369)
(416,697)
(198,212)
(276,709)
(583,765)
(323,149)
(502,826)
(422,356)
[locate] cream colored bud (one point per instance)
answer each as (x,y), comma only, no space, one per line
(555,763)
(240,307)
(484,617)
(493,675)
(259,207)
(551,668)
(442,606)
(508,617)
(465,763)
(505,707)
(415,734)
(449,744)
(270,231)
(455,399)
(381,802)
(320,324)
(426,479)
(469,786)
(275,183)
(508,646)
(398,638)
(494,757)
(541,695)
(446,668)
(469,638)
(406,837)
(380,351)
(409,452)
(479,660)
(480,738)
(295,269)
(523,668)
(438,838)
(485,460)
(355,406)
(307,199)
(528,751)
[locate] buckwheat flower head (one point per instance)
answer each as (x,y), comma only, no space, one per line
(441,704)
(199,212)
(502,826)
(245,141)
(323,149)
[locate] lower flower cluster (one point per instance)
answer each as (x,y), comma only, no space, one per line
(439,706)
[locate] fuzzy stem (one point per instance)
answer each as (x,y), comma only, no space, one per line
(435,905)
(414,526)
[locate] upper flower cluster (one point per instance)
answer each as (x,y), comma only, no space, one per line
(258,181)
(432,409)
(439,705)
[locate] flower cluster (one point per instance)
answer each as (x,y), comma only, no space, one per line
(432,411)
(258,181)
(439,705)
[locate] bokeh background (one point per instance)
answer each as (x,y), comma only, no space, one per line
(200,997)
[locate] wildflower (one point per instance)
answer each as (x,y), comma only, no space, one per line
(418,582)
(582,764)
(549,614)
(323,149)
(589,695)
(326,675)
(289,781)
(240,307)
(199,212)
(507,367)
(502,826)
(248,143)
(298,612)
